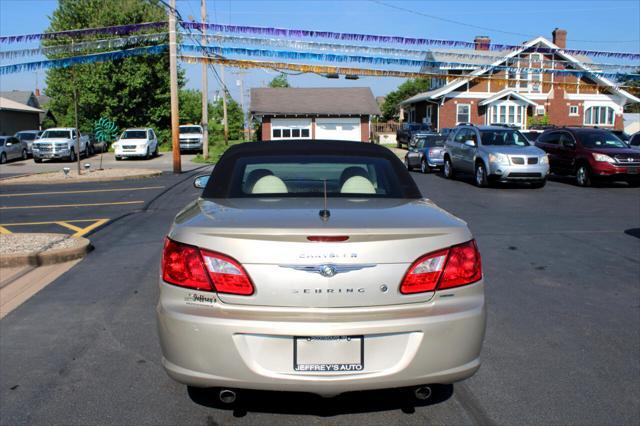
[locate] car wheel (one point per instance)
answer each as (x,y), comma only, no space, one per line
(147,155)
(155,151)
(539,184)
(72,156)
(24,154)
(424,167)
(118,158)
(447,170)
(92,150)
(481,177)
(634,183)
(583,175)
(37,160)
(3,158)
(406,163)
(86,151)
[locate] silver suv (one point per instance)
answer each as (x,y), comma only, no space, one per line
(494,153)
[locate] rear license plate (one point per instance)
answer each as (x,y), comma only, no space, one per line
(632,170)
(328,354)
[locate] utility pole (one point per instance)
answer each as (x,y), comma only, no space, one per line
(173,76)
(75,106)
(225,121)
(240,83)
(205,86)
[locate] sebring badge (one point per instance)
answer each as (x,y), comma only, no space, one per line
(329,270)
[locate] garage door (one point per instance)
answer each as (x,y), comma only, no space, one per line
(343,129)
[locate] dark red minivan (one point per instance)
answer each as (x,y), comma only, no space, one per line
(590,155)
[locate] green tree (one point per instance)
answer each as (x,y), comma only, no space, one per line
(191,106)
(131,91)
(279,81)
(235,117)
(411,87)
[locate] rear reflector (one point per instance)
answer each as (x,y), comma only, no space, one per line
(453,267)
(189,266)
(327,239)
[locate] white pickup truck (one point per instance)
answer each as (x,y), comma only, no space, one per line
(59,143)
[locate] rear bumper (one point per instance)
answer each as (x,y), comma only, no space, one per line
(217,345)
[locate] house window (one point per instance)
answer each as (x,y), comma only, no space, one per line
(508,114)
(599,115)
(290,128)
(573,110)
(463,113)
(512,77)
(539,109)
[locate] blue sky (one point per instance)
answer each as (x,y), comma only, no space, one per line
(598,25)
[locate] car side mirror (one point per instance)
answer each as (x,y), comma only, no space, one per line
(200,182)
(470,143)
(8,144)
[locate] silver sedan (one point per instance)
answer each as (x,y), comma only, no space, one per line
(318,267)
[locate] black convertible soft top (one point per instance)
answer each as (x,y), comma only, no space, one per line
(220,182)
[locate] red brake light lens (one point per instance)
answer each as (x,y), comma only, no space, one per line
(189,266)
(228,276)
(327,239)
(457,266)
(182,265)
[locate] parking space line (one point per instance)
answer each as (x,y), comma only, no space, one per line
(4,230)
(79,231)
(55,206)
(91,227)
(25,194)
(69,226)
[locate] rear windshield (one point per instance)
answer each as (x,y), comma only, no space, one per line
(134,134)
(306,176)
(56,134)
(506,137)
(190,129)
(430,141)
(602,139)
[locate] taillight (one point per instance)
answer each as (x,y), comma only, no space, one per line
(453,267)
(188,266)
(182,265)
(228,276)
(328,239)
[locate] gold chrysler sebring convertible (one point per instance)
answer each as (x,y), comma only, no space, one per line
(317,266)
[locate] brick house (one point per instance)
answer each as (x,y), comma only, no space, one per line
(487,94)
(314,113)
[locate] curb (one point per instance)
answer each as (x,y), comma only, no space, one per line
(7,181)
(47,257)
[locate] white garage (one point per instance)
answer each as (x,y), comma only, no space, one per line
(342,129)
(314,113)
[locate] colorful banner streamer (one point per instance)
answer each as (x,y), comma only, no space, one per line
(114,30)
(111,43)
(220,40)
(325,69)
(86,59)
(377,60)
(372,38)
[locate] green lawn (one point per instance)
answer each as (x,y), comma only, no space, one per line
(215,151)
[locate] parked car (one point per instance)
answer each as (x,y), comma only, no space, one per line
(531,135)
(12,148)
(494,153)
(60,143)
(191,138)
(28,136)
(257,273)
(426,151)
(634,141)
(141,143)
(407,130)
(590,154)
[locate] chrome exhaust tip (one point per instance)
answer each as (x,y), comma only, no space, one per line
(422,392)
(227,396)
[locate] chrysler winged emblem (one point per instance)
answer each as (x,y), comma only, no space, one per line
(329,270)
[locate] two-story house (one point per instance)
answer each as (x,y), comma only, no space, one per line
(509,86)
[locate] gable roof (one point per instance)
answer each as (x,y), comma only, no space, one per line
(507,93)
(316,100)
(11,105)
(21,96)
(450,87)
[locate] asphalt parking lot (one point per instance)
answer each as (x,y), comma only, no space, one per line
(562,267)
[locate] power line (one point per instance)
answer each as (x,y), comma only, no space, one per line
(465,24)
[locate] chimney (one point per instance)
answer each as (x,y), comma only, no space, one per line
(560,38)
(482,42)
(37,92)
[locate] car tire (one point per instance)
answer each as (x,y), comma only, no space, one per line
(147,155)
(539,184)
(583,175)
(634,183)
(86,151)
(447,170)
(3,158)
(424,167)
(37,160)
(406,163)
(155,151)
(25,155)
(92,150)
(480,176)
(72,156)
(118,158)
